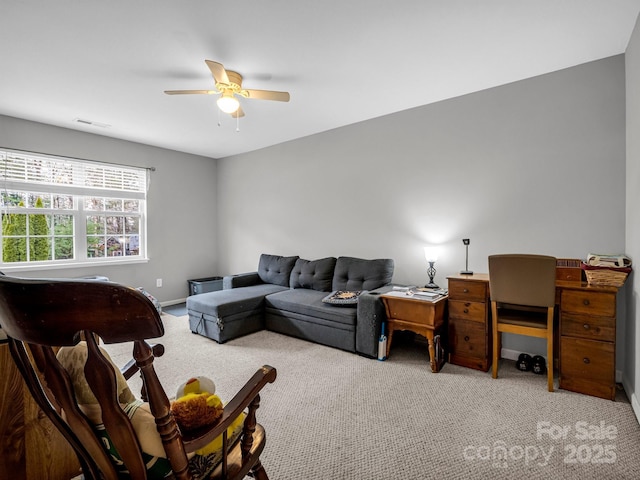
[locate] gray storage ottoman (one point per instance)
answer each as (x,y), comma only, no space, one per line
(227,314)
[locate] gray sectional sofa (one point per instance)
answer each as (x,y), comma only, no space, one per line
(286,295)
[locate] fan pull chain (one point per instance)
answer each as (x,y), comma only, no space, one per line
(237,123)
(219,121)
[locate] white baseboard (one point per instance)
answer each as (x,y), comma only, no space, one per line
(514,354)
(633,398)
(168,303)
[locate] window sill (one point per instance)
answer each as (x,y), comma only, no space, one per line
(98,263)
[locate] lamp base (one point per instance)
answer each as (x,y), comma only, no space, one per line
(466,272)
(431,285)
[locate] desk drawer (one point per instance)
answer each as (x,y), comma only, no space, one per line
(473,311)
(587,366)
(467,290)
(589,327)
(591,303)
(467,338)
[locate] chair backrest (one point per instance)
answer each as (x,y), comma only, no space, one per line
(523,279)
(40,315)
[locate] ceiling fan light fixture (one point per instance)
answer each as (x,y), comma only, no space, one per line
(228,103)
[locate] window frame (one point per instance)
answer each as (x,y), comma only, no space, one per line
(31,173)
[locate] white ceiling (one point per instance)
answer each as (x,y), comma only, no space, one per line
(343,61)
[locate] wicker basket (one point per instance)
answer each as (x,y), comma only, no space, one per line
(609,276)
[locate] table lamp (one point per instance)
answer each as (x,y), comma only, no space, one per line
(431,255)
(466,271)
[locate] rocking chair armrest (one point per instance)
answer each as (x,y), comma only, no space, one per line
(197,439)
(130,367)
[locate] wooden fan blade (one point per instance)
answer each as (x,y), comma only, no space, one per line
(268,95)
(218,71)
(238,113)
(188,92)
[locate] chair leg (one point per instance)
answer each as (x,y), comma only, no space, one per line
(258,472)
(496,340)
(550,350)
(496,356)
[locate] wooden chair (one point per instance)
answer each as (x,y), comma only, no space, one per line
(522,289)
(40,315)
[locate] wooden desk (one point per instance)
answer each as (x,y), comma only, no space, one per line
(421,316)
(586,340)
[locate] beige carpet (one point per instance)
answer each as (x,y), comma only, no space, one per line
(335,415)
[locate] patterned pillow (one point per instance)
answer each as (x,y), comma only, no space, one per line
(343,298)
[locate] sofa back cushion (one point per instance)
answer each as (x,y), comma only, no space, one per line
(276,269)
(359,274)
(313,274)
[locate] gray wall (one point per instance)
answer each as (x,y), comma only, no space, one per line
(536,166)
(533,166)
(181,205)
(631,366)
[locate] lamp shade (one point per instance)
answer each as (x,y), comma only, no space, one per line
(227,102)
(431,254)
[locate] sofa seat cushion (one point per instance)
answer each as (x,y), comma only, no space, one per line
(228,303)
(308,302)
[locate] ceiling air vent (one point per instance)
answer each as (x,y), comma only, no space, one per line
(89,122)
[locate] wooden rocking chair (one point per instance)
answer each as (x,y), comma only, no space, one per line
(39,315)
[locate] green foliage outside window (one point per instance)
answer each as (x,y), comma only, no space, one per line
(14,232)
(14,244)
(39,231)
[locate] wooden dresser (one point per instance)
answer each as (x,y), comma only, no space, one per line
(469,329)
(30,446)
(587,352)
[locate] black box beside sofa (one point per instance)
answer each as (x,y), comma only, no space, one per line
(286,295)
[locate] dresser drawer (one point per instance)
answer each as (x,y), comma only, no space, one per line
(589,327)
(587,366)
(466,290)
(473,311)
(590,303)
(467,338)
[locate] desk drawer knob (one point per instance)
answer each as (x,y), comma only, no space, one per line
(586,326)
(466,338)
(585,301)
(586,361)
(466,310)
(465,290)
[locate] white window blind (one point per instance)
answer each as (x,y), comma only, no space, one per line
(63,175)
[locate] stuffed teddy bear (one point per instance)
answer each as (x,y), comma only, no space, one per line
(196,404)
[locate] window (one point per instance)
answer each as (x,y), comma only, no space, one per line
(61,211)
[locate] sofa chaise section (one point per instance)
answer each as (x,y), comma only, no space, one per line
(227,314)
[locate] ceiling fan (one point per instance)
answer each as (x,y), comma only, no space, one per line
(228,85)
